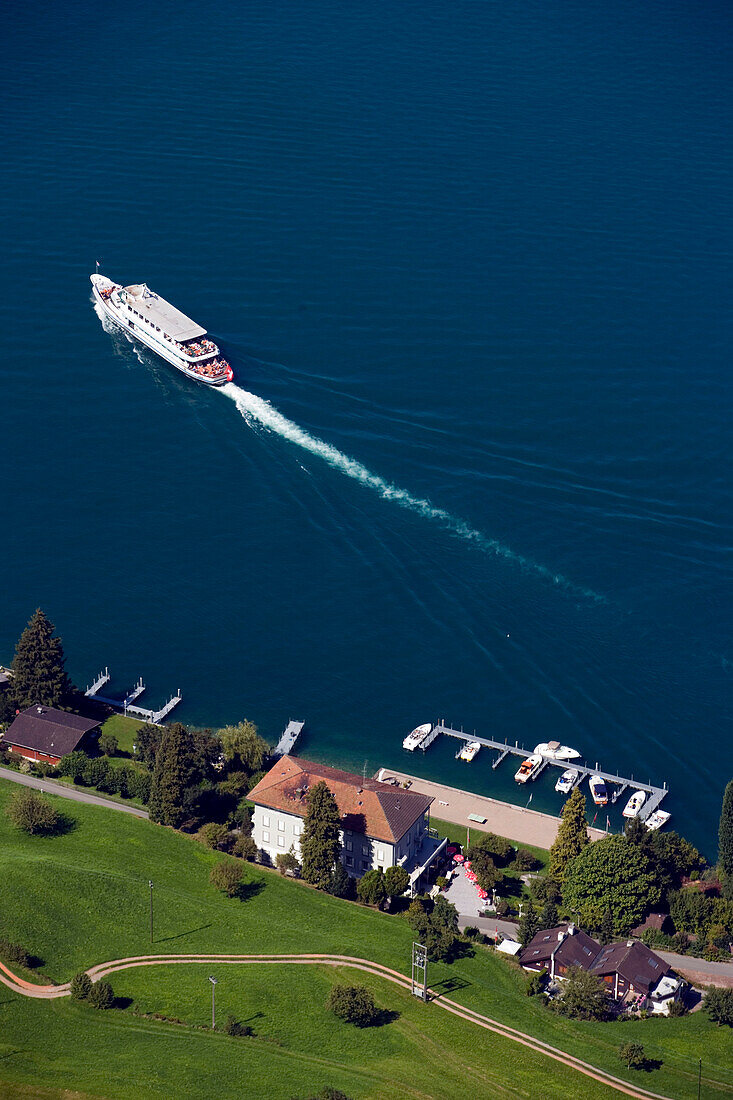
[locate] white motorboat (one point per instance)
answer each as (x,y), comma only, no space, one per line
(632,807)
(528,768)
(598,790)
(567,781)
(416,738)
(657,819)
(469,751)
(162,328)
(553,750)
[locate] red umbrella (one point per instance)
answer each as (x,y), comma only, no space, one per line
(482,894)
(451,849)
(468,863)
(458,859)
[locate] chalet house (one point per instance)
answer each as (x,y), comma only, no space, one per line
(633,974)
(46,734)
(381,825)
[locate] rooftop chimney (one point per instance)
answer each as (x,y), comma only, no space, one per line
(571,929)
(560,936)
(629,943)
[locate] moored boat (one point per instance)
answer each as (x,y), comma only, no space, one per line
(417,736)
(632,807)
(162,328)
(598,790)
(528,768)
(553,750)
(469,751)
(567,781)
(657,819)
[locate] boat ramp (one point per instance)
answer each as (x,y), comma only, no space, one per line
(128,705)
(617,784)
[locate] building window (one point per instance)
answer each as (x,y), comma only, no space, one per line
(281,825)
(365,849)
(380,855)
(349,846)
(349,861)
(265,819)
(296,829)
(265,837)
(281,842)
(365,864)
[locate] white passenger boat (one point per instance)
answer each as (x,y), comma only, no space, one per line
(469,751)
(632,807)
(657,819)
(528,768)
(162,328)
(567,780)
(416,738)
(553,750)
(598,790)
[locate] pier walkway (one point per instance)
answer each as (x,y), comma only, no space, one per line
(291,733)
(654,793)
(514,822)
(128,704)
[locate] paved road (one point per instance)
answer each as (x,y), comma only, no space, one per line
(50,787)
(102,970)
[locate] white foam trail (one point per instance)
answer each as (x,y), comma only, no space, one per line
(257,409)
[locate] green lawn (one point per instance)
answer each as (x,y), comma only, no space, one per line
(124,729)
(81,898)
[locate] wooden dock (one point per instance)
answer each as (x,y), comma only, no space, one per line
(655,794)
(99,683)
(290,735)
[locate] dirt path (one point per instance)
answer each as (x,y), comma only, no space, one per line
(102,970)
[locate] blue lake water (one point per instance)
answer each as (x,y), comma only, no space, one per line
(472,265)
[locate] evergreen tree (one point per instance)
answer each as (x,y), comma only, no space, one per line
(572,836)
(529,925)
(606,930)
(725,832)
(550,914)
(174,772)
(341,885)
(39,670)
(320,845)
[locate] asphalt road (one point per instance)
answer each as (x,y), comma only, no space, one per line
(48,786)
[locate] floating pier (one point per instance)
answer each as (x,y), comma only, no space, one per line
(654,794)
(101,680)
(127,705)
(290,735)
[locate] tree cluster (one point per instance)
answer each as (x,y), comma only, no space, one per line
(435,924)
(488,854)
(33,813)
(97,771)
(611,874)
(583,997)
(718,1003)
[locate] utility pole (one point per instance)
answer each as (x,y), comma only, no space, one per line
(420,971)
(213,1003)
(150,884)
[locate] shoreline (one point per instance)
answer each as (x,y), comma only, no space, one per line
(513,822)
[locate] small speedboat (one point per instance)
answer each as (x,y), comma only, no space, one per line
(632,807)
(417,736)
(469,751)
(528,768)
(566,782)
(553,750)
(598,790)
(657,819)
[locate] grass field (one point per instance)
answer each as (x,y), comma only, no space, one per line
(81,898)
(124,729)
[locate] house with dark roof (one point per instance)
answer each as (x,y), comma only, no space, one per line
(381,825)
(632,973)
(46,734)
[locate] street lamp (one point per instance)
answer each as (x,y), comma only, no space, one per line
(213,1003)
(150,884)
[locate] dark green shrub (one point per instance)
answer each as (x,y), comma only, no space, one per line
(30,811)
(678,1008)
(80,986)
(245,848)
(108,744)
(536,983)
(13,952)
(235,1028)
(524,860)
(212,834)
(101,995)
(227,877)
(353,1003)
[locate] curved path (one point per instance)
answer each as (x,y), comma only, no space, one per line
(49,786)
(102,970)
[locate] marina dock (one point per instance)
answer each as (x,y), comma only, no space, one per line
(128,704)
(655,794)
(290,735)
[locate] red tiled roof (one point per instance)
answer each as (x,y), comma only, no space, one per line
(377,810)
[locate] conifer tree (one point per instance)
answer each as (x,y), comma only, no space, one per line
(725,832)
(550,914)
(572,836)
(174,773)
(606,930)
(320,845)
(529,925)
(39,671)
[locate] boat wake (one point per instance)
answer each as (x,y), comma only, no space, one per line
(257,411)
